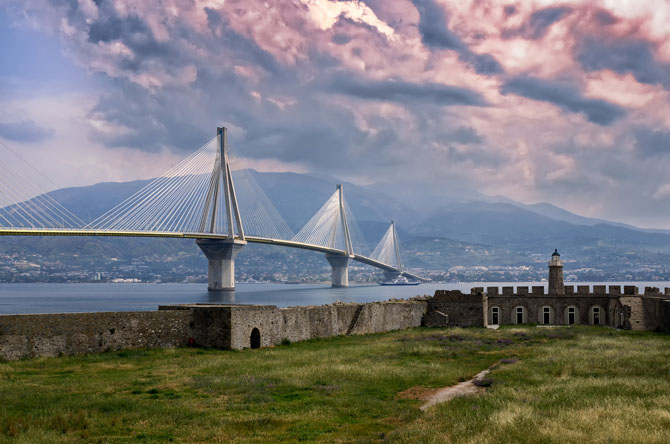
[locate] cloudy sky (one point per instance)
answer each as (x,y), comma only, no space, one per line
(534,100)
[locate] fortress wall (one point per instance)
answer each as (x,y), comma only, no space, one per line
(25,336)
(656,312)
(302,323)
(633,307)
(454,308)
(217,326)
(534,304)
(664,318)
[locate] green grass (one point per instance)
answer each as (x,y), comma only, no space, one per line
(570,385)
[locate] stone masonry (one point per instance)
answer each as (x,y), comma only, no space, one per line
(208,325)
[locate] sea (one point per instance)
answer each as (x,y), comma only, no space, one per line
(99,297)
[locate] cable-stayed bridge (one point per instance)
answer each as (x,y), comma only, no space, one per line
(211,197)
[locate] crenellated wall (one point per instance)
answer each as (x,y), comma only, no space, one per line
(599,304)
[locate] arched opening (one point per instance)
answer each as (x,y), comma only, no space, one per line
(546,315)
(519,315)
(597,315)
(255,338)
(571,315)
(494,315)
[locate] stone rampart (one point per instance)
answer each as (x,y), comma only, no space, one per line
(217,326)
(664,321)
(23,336)
(454,308)
(230,326)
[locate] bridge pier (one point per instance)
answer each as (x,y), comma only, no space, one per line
(221,255)
(340,267)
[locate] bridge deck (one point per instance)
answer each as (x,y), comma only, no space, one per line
(176,235)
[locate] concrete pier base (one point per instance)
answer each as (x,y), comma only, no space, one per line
(340,266)
(221,255)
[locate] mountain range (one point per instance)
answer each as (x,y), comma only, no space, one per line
(438,231)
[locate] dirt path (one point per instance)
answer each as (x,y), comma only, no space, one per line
(433,396)
(465,388)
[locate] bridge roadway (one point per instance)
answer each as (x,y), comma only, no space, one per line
(173,235)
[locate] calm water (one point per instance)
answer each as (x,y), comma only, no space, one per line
(63,298)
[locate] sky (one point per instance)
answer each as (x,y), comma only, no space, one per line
(538,101)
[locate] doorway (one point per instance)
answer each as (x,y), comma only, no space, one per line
(255,338)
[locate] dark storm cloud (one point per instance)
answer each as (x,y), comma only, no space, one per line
(25,131)
(539,22)
(341,39)
(605,18)
(113,28)
(565,96)
(405,92)
(436,35)
(509,10)
(652,143)
(465,135)
(624,56)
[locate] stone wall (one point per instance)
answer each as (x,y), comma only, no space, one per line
(534,304)
(664,321)
(302,323)
(218,326)
(454,308)
(23,336)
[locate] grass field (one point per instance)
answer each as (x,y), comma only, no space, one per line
(569,385)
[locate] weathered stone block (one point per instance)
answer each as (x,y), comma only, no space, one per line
(492,291)
(522,291)
(599,289)
(615,290)
(582,290)
(630,289)
(508,291)
(569,290)
(538,290)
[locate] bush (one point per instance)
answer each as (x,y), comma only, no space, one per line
(286,341)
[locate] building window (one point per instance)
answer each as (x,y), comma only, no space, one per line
(519,315)
(571,315)
(545,315)
(495,316)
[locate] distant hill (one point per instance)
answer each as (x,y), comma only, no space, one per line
(447,232)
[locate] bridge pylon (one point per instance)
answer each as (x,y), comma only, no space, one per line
(339,263)
(221,253)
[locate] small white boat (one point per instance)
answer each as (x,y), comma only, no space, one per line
(400,280)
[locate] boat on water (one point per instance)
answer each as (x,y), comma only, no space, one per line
(400,280)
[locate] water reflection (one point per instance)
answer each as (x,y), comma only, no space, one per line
(221,297)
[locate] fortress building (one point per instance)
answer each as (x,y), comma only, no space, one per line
(231,326)
(560,305)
